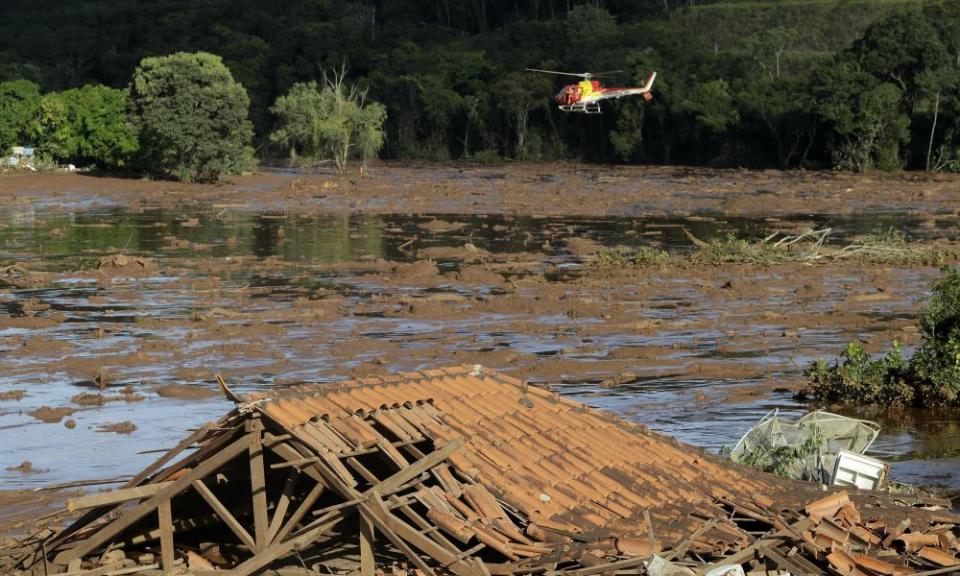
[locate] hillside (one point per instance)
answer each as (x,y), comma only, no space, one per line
(776,83)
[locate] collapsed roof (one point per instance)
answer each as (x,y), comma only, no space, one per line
(458,470)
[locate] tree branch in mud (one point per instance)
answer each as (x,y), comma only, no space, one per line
(884,247)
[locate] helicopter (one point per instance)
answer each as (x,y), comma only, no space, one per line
(585,96)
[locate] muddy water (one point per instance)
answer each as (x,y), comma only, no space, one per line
(270,299)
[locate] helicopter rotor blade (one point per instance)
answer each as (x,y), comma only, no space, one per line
(581,75)
(607,73)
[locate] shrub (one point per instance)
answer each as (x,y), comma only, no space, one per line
(855,377)
(19,100)
(936,363)
(333,120)
(86,126)
(931,378)
(191,117)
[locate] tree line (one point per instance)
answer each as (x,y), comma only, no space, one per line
(184,116)
(853,84)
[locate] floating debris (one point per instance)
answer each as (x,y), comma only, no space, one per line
(807,449)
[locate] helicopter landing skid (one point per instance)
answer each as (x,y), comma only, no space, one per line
(586,108)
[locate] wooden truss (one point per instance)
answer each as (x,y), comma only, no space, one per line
(260,491)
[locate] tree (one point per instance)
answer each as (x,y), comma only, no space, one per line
(332,120)
(899,48)
(865,116)
(19,100)
(191,117)
(86,126)
(590,31)
(712,104)
(768,47)
(778,113)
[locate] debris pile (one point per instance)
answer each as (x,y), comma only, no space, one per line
(818,447)
(465,471)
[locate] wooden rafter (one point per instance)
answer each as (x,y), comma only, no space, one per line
(111,530)
(224,514)
(258,484)
(283,503)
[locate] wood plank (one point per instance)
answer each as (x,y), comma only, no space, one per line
(362,470)
(171,454)
(258,485)
(401,544)
(210,446)
(794,565)
(744,555)
(390,524)
(300,512)
(391,451)
(111,530)
(115,496)
(317,470)
(282,504)
(225,514)
(367,562)
(608,567)
(418,467)
(281,448)
(424,526)
(165,517)
(280,549)
(92,515)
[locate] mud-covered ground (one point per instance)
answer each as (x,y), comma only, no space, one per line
(120,299)
(528,189)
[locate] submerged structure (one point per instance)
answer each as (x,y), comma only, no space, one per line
(466,471)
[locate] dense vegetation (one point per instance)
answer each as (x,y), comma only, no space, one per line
(329,121)
(854,84)
(930,378)
(190,117)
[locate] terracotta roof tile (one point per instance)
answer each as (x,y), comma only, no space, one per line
(524,443)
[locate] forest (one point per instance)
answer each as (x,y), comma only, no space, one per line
(845,84)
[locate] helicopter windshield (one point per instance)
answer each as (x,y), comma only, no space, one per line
(568,95)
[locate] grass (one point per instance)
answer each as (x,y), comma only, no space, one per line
(617,259)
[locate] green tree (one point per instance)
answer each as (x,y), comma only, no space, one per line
(939,93)
(627,139)
(50,128)
(712,104)
(768,48)
(333,120)
(191,117)
(86,126)
(19,101)
(936,363)
(899,48)
(865,117)
(590,31)
(517,94)
(778,113)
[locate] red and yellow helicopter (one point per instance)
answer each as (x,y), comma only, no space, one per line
(585,96)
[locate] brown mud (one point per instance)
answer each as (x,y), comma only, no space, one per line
(147,289)
(522,189)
